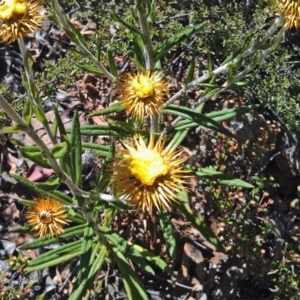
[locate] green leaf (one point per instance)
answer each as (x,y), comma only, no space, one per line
(164,46)
(213,92)
(208,85)
(209,63)
(190,74)
(168,233)
(230,113)
(27,111)
(111,62)
(130,26)
(126,248)
(61,150)
(87,282)
(90,69)
(218,116)
(104,130)
(40,116)
(93,146)
(237,85)
(54,257)
(222,178)
(45,240)
(86,251)
(75,35)
(76,151)
(155,260)
(138,57)
(55,253)
(51,184)
(13,129)
(231,57)
(104,178)
(65,163)
(34,154)
(133,285)
(198,118)
(113,108)
(200,225)
(28,61)
(63,198)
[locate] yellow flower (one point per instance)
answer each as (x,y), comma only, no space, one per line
(19,17)
(46,215)
(150,176)
(291,10)
(143,93)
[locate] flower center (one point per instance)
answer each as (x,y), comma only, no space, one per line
(13,10)
(46,217)
(143,86)
(147,166)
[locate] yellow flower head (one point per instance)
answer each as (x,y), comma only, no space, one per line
(19,17)
(46,215)
(143,93)
(291,10)
(150,176)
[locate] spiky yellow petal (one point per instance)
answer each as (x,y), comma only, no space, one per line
(46,216)
(149,176)
(291,10)
(19,17)
(143,93)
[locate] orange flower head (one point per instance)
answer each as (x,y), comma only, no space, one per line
(150,176)
(291,10)
(143,93)
(19,17)
(46,216)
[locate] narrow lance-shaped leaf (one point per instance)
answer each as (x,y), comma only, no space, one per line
(190,74)
(27,111)
(198,118)
(183,206)
(164,46)
(167,230)
(88,281)
(61,259)
(126,248)
(218,116)
(61,150)
(43,241)
(130,26)
(86,250)
(54,195)
(222,178)
(51,184)
(133,284)
(91,69)
(113,108)
(65,163)
(111,62)
(35,154)
(13,129)
(155,260)
(75,34)
(55,253)
(76,151)
(104,130)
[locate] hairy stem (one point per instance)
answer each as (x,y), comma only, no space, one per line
(30,80)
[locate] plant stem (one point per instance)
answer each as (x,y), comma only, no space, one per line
(223,69)
(30,80)
(148,50)
(69,31)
